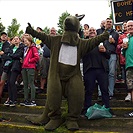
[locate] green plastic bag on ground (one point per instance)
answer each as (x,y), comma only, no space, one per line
(97,111)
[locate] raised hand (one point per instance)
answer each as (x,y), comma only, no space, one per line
(29,24)
(28,28)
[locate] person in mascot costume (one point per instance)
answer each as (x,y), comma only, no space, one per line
(64,78)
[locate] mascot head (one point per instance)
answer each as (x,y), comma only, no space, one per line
(71,23)
(71,30)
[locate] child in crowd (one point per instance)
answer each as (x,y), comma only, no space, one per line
(31,57)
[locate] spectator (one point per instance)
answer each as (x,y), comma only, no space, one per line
(52,31)
(121,72)
(30,59)
(121,58)
(86,31)
(12,67)
(111,45)
(128,53)
(95,67)
(3,45)
(102,27)
(4,76)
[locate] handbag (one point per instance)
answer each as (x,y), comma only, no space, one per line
(97,111)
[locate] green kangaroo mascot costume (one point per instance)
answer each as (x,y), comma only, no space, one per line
(64,77)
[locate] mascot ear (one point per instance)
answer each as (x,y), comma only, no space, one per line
(80,17)
(29,24)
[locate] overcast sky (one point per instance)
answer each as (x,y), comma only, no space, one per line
(44,13)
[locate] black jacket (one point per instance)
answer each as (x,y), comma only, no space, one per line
(15,65)
(110,47)
(5,45)
(100,31)
(96,59)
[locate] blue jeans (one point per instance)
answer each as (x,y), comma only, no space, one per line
(112,73)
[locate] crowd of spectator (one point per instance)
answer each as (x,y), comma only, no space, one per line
(28,57)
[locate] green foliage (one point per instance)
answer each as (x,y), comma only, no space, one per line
(13,29)
(2,28)
(61,20)
(46,30)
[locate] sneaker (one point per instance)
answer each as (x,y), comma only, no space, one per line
(7,103)
(128,98)
(12,104)
(129,114)
(24,103)
(30,104)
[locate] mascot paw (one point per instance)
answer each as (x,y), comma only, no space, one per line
(53,124)
(37,120)
(72,125)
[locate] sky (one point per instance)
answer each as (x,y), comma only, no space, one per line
(42,13)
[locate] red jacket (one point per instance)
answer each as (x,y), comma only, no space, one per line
(31,58)
(118,49)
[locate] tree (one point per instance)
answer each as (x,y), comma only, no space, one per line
(46,30)
(2,28)
(13,29)
(61,20)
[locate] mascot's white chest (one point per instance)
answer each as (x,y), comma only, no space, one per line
(68,55)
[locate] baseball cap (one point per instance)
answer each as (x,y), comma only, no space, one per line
(3,33)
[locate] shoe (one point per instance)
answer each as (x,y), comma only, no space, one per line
(30,104)
(7,103)
(129,114)
(112,113)
(120,80)
(117,81)
(72,125)
(5,119)
(112,98)
(12,104)
(128,98)
(53,124)
(24,103)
